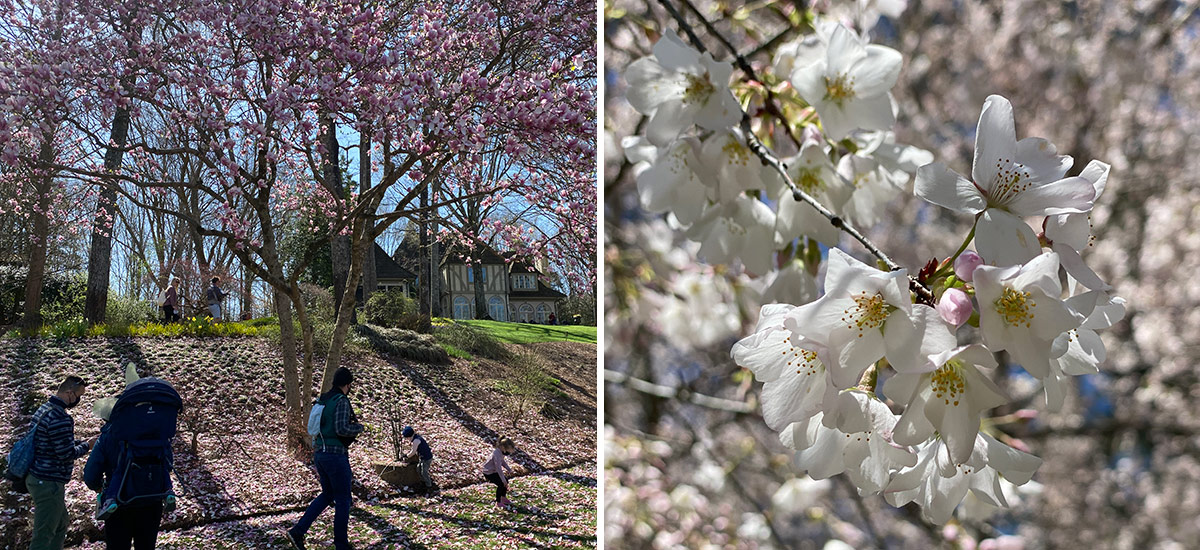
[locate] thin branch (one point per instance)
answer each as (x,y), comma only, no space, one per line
(678,394)
(768,158)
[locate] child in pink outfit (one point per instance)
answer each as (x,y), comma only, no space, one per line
(494,468)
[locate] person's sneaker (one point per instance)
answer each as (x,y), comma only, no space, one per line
(106,510)
(169,504)
(297,541)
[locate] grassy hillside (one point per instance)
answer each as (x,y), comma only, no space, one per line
(233,397)
(525,333)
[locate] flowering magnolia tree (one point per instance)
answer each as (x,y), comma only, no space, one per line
(237,115)
(757,141)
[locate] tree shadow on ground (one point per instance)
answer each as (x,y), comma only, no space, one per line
(485,525)
(468,421)
(389,534)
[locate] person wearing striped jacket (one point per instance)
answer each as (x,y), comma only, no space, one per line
(55,450)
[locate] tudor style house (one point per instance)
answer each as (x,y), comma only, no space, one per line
(513,292)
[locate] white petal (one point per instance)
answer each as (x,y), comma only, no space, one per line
(810,82)
(797,219)
(1073,230)
(867,113)
(1014,465)
(675,55)
(877,72)
(1042,159)
(1076,267)
(671,118)
(650,85)
(845,50)
(1003,239)
(946,188)
(793,397)
(852,353)
(995,140)
(1056,391)
(912,340)
(1097,173)
(720,111)
(1065,196)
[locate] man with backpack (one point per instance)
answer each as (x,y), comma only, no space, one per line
(335,428)
(54,452)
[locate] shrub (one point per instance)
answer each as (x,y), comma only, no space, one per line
(525,387)
(403,343)
(471,340)
(127,311)
(319,303)
(386,308)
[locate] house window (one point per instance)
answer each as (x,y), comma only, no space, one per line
(525,313)
(524,281)
(462,308)
(496,308)
(543,314)
(471,274)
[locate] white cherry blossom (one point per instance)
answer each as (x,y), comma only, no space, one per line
(1071,234)
(1020,311)
(949,400)
(667,178)
(849,87)
(732,168)
(938,484)
(742,229)
(861,304)
(1085,350)
(1010,180)
(813,173)
(795,383)
(863,450)
(677,87)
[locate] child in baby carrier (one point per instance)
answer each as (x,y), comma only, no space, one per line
(131,465)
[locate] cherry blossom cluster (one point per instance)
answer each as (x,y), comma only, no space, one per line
(886,376)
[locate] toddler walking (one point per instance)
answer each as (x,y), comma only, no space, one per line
(494,468)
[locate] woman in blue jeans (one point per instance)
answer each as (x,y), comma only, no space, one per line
(338,430)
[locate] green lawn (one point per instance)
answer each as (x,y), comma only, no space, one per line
(523,333)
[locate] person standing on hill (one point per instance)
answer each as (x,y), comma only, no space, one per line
(331,458)
(54,452)
(171,303)
(423,454)
(214,295)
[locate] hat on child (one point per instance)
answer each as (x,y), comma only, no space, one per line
(407,432)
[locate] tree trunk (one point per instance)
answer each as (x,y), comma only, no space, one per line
(36,276)
(370,277)
(481,310)
(247,297)
(339,246)
(427,269)
(100,254)
(435,262)
(346,309)
(294,393)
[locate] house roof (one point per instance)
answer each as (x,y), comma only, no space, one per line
(387,268)
(542,291)
(486,254)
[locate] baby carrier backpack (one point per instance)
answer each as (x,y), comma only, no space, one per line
(141,427)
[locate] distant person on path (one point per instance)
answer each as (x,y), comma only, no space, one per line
(172,302)
(130,467)
(422,452)
(331,458)
(214,295)
(494,468)
(54,452)
(553,319)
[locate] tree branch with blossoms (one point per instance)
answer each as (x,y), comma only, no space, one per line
(834,367)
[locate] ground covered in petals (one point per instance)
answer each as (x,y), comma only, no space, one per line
(237,480)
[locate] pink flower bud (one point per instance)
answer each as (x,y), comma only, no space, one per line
(966,263)
(955,306)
